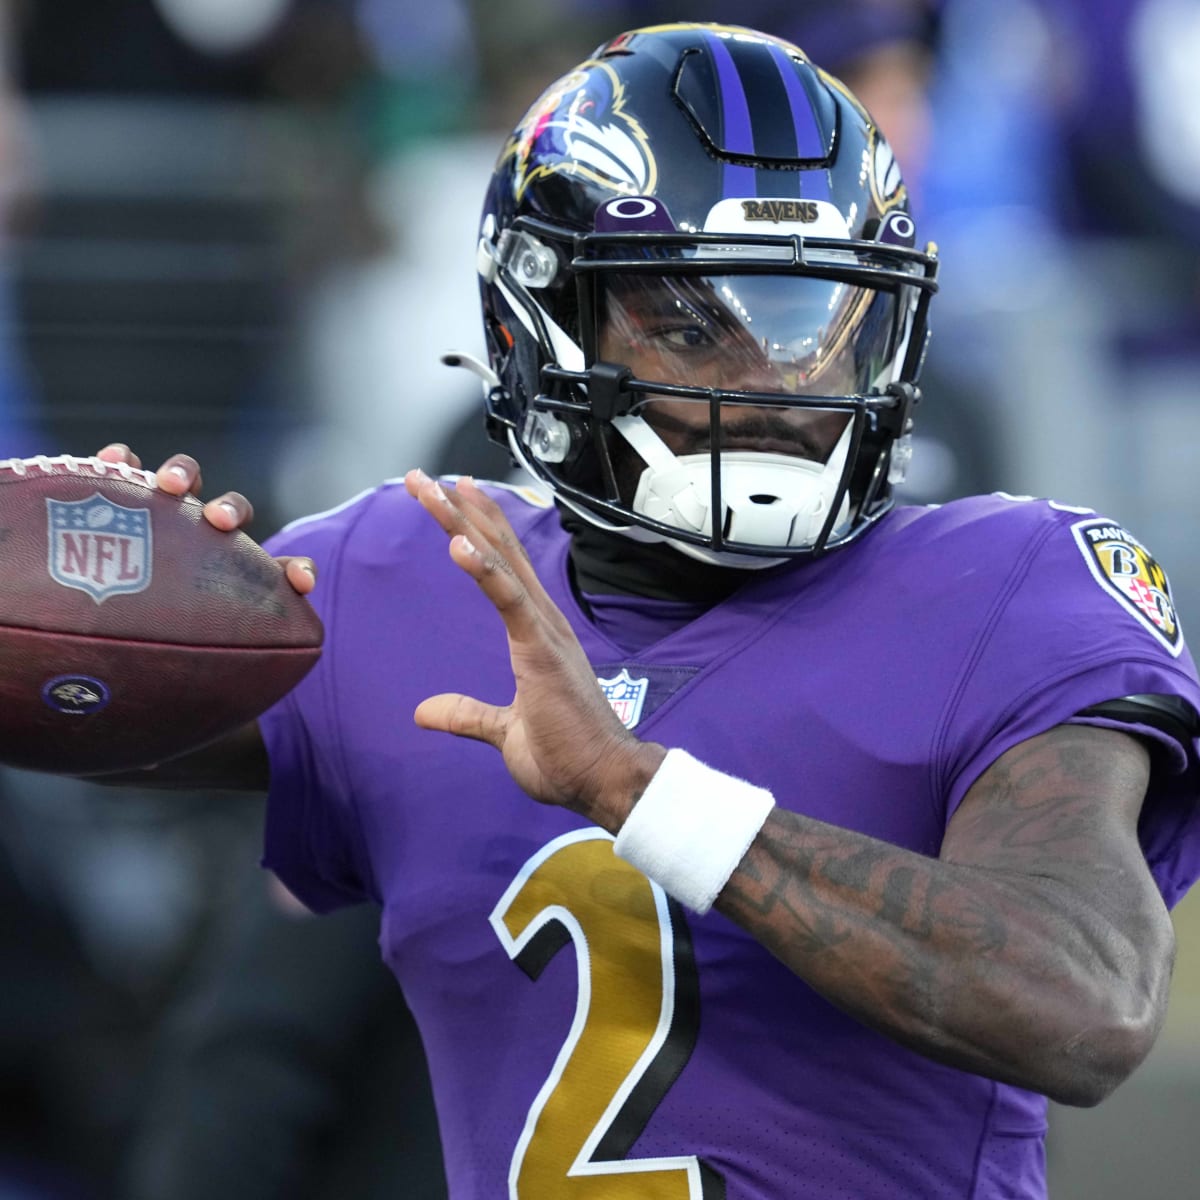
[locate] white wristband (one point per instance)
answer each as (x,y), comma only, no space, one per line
(691,828)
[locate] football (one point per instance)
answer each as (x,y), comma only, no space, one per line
(132,630)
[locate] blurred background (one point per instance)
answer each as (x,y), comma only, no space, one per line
(245,228)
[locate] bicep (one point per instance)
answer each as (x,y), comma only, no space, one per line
(1061,810)
(1073,793)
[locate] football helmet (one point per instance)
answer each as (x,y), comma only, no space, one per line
(704,309)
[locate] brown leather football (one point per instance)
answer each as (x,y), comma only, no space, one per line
(132,630)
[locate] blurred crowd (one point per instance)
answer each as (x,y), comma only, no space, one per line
(246,229)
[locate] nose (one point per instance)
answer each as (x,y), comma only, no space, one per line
(751,371)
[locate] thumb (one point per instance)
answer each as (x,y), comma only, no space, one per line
(462,716)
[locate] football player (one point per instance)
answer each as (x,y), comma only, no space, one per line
(860,823)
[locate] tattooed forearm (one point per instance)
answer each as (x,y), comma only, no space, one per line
(774,897)
(1035,950)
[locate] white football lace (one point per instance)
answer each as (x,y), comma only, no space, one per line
(47,465)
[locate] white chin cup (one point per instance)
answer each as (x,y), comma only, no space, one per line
(768,499)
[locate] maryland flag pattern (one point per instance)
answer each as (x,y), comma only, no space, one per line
(1125,569)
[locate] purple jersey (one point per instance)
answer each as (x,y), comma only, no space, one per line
(585,1035)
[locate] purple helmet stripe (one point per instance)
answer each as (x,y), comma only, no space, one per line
(809,143)
(739,137)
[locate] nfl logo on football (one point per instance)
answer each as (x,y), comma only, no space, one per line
(626,695)
(99,547)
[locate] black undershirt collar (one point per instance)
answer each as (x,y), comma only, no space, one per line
(608,564)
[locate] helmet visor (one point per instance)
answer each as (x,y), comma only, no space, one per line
(781,334)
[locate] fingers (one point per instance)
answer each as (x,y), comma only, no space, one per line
(447,509)
(486,511)
(118,452)
(301,573)
(483,544)
(463,717)
(230,511)
(179,475)
(468,510)
(466,505)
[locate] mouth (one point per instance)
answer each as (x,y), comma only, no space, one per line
(796,447)
(791,443)
(763,433)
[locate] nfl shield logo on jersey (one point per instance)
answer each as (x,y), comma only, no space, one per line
(99,547)
(626,695)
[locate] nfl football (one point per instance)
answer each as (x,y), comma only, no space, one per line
(132,630)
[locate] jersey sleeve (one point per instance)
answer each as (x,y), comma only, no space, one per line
(1084,616)
(313,839)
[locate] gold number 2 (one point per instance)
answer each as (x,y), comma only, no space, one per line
(636,1016)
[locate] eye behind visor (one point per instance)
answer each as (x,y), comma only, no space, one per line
(774,333)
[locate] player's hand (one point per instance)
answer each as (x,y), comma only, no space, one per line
(561,740)
(180,476)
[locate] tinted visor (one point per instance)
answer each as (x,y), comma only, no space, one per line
(767,333)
